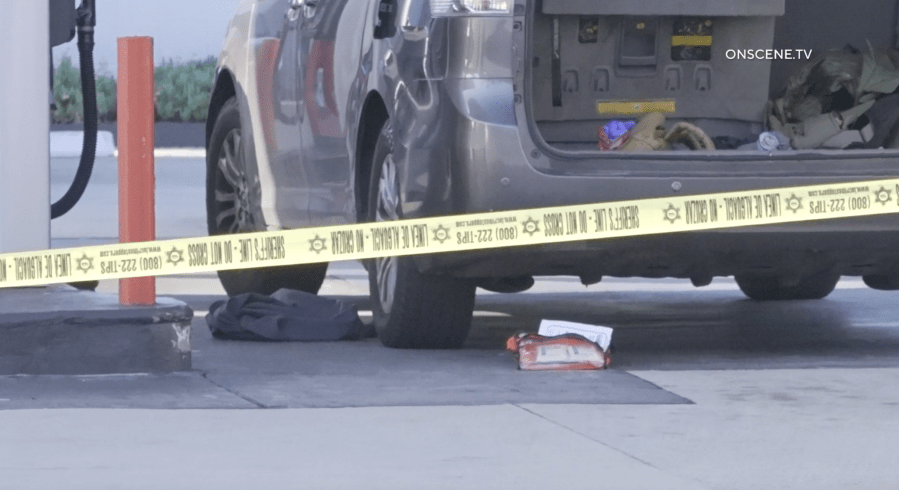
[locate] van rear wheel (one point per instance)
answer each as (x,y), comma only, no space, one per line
(771,288)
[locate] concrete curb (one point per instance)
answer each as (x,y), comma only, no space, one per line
(61,330)
(176,153)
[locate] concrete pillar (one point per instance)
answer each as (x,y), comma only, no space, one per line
(24,125)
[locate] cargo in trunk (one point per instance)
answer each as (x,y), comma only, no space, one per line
(596,61)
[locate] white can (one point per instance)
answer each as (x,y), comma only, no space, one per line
(769,141)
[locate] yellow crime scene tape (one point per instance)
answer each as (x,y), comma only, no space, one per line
(452,233)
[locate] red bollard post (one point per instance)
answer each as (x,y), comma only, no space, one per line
(136,141)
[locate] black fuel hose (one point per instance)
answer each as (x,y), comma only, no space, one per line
(86,23)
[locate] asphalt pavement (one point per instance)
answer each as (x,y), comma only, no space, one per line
(707,390)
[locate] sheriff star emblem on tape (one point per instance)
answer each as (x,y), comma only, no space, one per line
(794,203)
(317,245)
(883,196)
(672,213)
(441,234)
(174,256)
(85,263)
(531,226)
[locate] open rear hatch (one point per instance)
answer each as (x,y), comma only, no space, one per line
(594,61)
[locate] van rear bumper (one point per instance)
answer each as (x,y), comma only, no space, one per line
(846,247)
(496,166)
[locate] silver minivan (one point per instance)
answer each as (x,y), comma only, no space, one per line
(340,111)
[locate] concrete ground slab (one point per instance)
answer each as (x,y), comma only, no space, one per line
(796,428)
(494,447)
(367,374)
(61,330)
(453,386)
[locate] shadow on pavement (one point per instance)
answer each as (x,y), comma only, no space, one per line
(715,330)
(653,331)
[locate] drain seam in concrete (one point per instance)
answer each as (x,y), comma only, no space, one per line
(569,429)
(613,448)
(234,392)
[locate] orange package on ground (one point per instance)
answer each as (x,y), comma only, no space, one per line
(568,352)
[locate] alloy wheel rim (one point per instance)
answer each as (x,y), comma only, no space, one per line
(387,209)
(232,193)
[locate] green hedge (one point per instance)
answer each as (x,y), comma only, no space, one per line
(69,99)
(182,92)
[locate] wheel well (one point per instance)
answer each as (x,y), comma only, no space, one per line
(224,90)
(374,113)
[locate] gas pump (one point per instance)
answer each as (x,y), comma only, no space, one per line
(62,26)
(25,209)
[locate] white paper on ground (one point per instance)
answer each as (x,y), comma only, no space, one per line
(595,333)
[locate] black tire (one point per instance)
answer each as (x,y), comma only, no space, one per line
(769,288)
(411,309)
(882,282)
(232,207)
(85,285)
